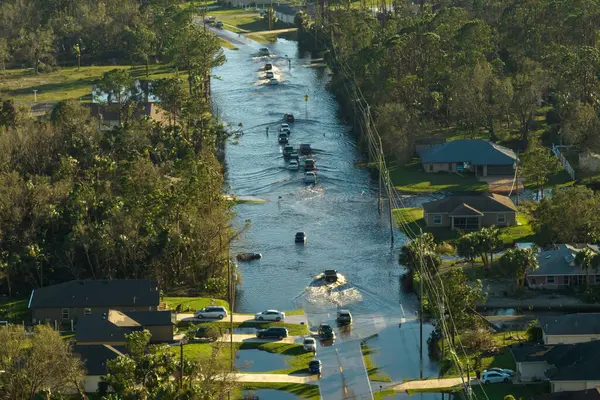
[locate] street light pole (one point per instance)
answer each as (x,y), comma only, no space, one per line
(181,343)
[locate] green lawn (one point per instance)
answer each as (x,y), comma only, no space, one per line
(497,391)
(191,304)
(411,178)
(13,310)
(411,221)
(310,392)
(503,359)
(380,395)
(374,373)
(293,329)
(556,181)
(202,351)
(65,83)
(298,360)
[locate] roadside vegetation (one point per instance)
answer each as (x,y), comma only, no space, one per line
(375,374)
(309,392)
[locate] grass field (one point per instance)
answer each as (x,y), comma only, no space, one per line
(309,392)
(374,373)
(414,220)
(411,178)
(65,83)
(191,304)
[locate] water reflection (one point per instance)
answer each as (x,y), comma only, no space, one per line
(253,360)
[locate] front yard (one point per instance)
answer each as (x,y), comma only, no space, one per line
(411,221)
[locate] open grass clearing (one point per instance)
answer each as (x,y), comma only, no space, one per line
(309,392)
(411,178)
(13,309)
(412,221)
(66,83)
(191,304)
(375,374)
(298,360)
(200,351)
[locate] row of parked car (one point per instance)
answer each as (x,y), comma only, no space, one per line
(219,312)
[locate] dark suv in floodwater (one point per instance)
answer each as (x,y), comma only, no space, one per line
(273,332)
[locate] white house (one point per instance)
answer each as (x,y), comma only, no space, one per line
(571,328)
(286,13)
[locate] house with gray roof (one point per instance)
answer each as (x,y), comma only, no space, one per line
(557,268)
(481,157)
(570,328)
(568,367)
(470,212)
(110,328)
(68,301)
(94,358)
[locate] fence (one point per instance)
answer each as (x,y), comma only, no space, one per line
(567,167)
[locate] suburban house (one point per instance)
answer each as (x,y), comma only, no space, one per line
(286,13)
(107,115)
(68,301)
(94,358)
(110,328)
(470,212)
(568,367)
(557,268)
(570,328)
(481,157)
(588,394)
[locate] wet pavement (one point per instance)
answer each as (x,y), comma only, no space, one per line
(338,214)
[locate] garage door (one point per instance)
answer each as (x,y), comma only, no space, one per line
(503,170)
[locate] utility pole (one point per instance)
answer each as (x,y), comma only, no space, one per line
(389,193)
(421,277)
(517,177)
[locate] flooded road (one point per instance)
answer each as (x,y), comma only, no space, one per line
(338,214)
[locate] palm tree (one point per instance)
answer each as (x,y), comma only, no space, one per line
(519,262)
(585,259)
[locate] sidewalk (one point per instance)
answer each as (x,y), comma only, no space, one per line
(429,384)
(277,378)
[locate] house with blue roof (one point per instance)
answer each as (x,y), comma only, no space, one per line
(481,157)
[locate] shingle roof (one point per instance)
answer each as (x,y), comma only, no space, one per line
(571,324)
(95,356)
(151,318)
(567,361)
(114,325)
(470,205)
(287,9)
(97,293)
(589,394)
(560,261)
(473,151)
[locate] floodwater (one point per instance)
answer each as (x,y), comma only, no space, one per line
(339,213)
(268,394)
(254,360)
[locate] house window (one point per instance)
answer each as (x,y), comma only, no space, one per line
(87,311)
(501,218)
(550,279)
(466,223)
(430,167)
(437,219)
(449,166)
(65,313)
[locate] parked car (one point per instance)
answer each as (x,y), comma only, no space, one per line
(501,370)
(293,165)
(330,275)
(219,24)
(344,317)
(310,177)
(272,332)
(309,164)
(282,138)
(300,237)
(268,67)
(211,312)
(289,117)
(209,19)
(305,148)
(270,315)
(315,367)
(270,74)
(310,344)
(494,377)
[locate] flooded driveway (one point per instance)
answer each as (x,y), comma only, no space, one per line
(338,214)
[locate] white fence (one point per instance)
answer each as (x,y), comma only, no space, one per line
(563,160)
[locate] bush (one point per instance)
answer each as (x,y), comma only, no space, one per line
(444,248)
(478,339)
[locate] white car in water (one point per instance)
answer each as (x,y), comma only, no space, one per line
(293,165)
(270,315)
(309,344)
(273,81)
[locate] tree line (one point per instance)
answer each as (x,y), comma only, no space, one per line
(473,66)
(43,33)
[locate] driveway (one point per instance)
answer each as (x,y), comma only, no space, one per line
(241,338)
(430,384)
(278,378)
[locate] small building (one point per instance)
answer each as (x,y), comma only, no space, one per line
(107,115)
(557,268)
(94,358)
(470,212)
(570,328)
(481,157)
(68,301)
(568,367)
(286,13)
(111,327)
